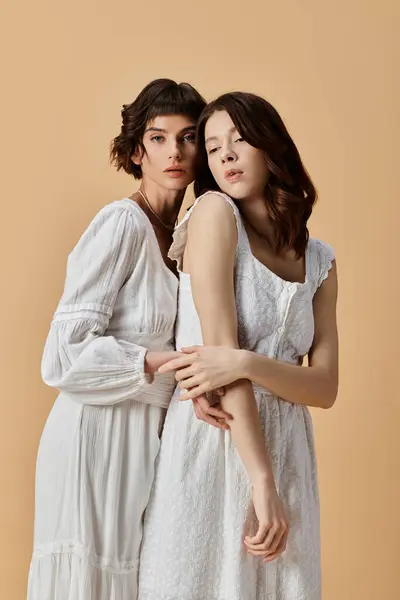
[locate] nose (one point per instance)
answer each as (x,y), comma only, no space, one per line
(227,154)
(175,150)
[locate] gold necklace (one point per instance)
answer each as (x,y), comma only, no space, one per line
(153,212)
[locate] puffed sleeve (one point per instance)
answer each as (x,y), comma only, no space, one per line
(78,359)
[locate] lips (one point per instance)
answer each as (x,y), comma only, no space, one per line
(175,169)
(233,174)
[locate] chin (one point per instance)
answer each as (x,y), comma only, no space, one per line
(177,184)
(236,192)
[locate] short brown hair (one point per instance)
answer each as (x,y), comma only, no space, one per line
(290,193)
(159,97)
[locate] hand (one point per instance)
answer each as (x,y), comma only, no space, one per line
(154,360)
(273,527)
(211,414)
(201,369)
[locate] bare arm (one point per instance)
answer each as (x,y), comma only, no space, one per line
(210,258)
(206,368)
(317,384)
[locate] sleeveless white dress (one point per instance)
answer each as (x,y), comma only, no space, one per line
(200,507)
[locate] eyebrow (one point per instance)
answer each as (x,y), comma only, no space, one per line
(215,137)
(159,130)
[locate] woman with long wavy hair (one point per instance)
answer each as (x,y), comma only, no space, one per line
(234,515)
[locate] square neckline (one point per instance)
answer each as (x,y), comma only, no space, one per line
(257,261)
(298,284)
(240,227)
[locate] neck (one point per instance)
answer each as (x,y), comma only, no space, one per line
(166,203)
(255,212)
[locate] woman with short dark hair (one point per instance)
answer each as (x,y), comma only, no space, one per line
(113,328)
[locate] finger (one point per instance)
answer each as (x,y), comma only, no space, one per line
(197,410)
(194,392)
(219,413)
(189,382)
(262,553)
(266,543)
(259,537)
(176,363)
(203,402)
(283,543)
(191,349)
(274,549)
(271,557)
(218,424)
(207,406)
(211,420)
(203,416)
(186,373)
(261,547)
(270,538)
(281,548)
(276,542)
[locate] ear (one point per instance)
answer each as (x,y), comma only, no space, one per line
(137,156)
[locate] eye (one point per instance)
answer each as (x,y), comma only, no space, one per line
(157,138)
(239,140)
(189,137)
(212,150)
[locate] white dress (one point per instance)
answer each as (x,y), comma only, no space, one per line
(96,457)
(200,506)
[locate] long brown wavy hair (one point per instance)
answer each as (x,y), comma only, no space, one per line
(290,194)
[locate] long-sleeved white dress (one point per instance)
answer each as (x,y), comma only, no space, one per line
(96,457)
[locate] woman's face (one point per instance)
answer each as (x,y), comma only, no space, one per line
(239,169)
(169,157)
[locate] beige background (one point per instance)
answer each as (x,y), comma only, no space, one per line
(330,69)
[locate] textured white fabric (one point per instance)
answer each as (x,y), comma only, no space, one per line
(200,506)
(96,457)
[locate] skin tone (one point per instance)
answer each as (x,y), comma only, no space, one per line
(209,259)
(206,368)
(167,164)
(240,171)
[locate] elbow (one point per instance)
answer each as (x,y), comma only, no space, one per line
(46,373)
(328,402)
(51,371)
(329,398)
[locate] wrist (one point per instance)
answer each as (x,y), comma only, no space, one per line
(263,479)
(244,364)
(147,363)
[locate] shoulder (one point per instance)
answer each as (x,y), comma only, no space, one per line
(214,203)
(122,216)
(116,226)
(323,249)
(213,212)
(322,261)
(124,210)
(210,219)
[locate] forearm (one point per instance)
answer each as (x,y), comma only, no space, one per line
(246,430)
(311,386)
(210,259)
(95,371)
(239,401)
